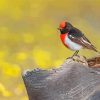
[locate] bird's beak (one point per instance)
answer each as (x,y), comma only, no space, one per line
(58,28)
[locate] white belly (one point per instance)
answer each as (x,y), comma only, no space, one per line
(72,45)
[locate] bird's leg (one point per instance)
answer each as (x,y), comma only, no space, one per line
(74,56)
(76,52)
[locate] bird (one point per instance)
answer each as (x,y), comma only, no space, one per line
(73,38)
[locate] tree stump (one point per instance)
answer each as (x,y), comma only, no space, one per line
(72,81)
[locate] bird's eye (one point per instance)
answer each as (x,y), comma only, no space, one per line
(63,31)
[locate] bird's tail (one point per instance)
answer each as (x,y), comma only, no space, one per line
(98,52)
(94,49)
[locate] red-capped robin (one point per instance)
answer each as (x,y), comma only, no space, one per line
(73,38)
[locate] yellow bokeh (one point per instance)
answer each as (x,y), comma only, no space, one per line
(24,98)
(3,54)
(57,63)
(16,14)
(19,89)
(29,37)
(42,58)
(11,70)
(3,5)
(4,92)
(15,71)
(21,56)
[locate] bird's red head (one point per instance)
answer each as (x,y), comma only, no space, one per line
(65,27)
(62,25)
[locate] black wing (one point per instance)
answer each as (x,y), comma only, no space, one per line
(78,37)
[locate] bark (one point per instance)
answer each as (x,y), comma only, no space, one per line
(72,81)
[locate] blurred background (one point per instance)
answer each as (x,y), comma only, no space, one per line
(29,37)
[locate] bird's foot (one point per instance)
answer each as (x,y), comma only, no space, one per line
(79,59)
(73,57)
(69,58)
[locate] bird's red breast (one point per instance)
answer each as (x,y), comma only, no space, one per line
(62,37)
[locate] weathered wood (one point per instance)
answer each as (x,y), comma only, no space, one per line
(94,62)
(72,81)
